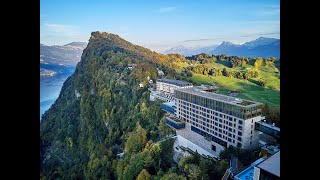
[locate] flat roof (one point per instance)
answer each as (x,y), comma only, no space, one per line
(219,97)
(272,164)
(175,82)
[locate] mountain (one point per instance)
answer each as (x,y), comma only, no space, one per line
(189,51)
(261,41)
(99,109)
(68,54)
(77,45)
(60,60)
(261,47)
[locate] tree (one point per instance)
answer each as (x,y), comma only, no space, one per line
(152,156)
(193,171)
(208,168)
(272,114)
(205,72)
(258,62)
(171,176)
(262,82)
(163,128)
(144,175)
(136,140)
(225,72)
(185,160)
(222,167)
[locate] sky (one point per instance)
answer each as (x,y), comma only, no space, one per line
(160,24)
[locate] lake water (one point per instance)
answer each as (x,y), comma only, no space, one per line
(50,86)
(49,91)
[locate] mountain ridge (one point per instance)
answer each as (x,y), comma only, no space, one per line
(68,54)
(261,47)
(251,48)
(189,51)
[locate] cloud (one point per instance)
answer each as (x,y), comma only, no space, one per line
(228,37)
(59,28)
(194,40)
(166,9)
(258,22)
(59,34)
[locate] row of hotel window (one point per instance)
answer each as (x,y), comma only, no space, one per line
(217,140)
(213,120)
(214,125)
(213,138)
(220,132)
(204,111)
(237,111)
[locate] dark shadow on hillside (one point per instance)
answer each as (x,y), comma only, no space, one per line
(254,81)
(226,63)
(250,87)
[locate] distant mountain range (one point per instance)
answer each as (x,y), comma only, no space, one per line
(261,47)
(69,54)
(189,51)
(60,60)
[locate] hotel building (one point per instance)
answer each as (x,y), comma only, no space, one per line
(217,121)
(169,85)
(165,89)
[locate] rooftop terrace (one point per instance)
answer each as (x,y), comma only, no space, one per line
(175,82)
(174,118)
(219,97)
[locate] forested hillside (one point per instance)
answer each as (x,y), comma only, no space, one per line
(101,112)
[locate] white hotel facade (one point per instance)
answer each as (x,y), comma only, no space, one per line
(165,89)
(215,121)
(168,85)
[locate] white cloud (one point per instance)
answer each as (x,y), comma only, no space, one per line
(59,28)
(166,9)
(60,34)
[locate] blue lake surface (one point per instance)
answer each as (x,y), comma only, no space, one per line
(49,91)
(50,87)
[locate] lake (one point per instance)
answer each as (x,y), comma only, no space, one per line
(49,91)
(50,87)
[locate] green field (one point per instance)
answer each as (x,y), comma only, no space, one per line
(249,90)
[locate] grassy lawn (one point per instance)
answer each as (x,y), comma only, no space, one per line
(249,90)
(269,72)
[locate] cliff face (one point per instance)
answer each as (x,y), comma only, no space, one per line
(97,107)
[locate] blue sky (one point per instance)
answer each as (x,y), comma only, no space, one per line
(160,24)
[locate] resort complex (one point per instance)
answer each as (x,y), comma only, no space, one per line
(207,122)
